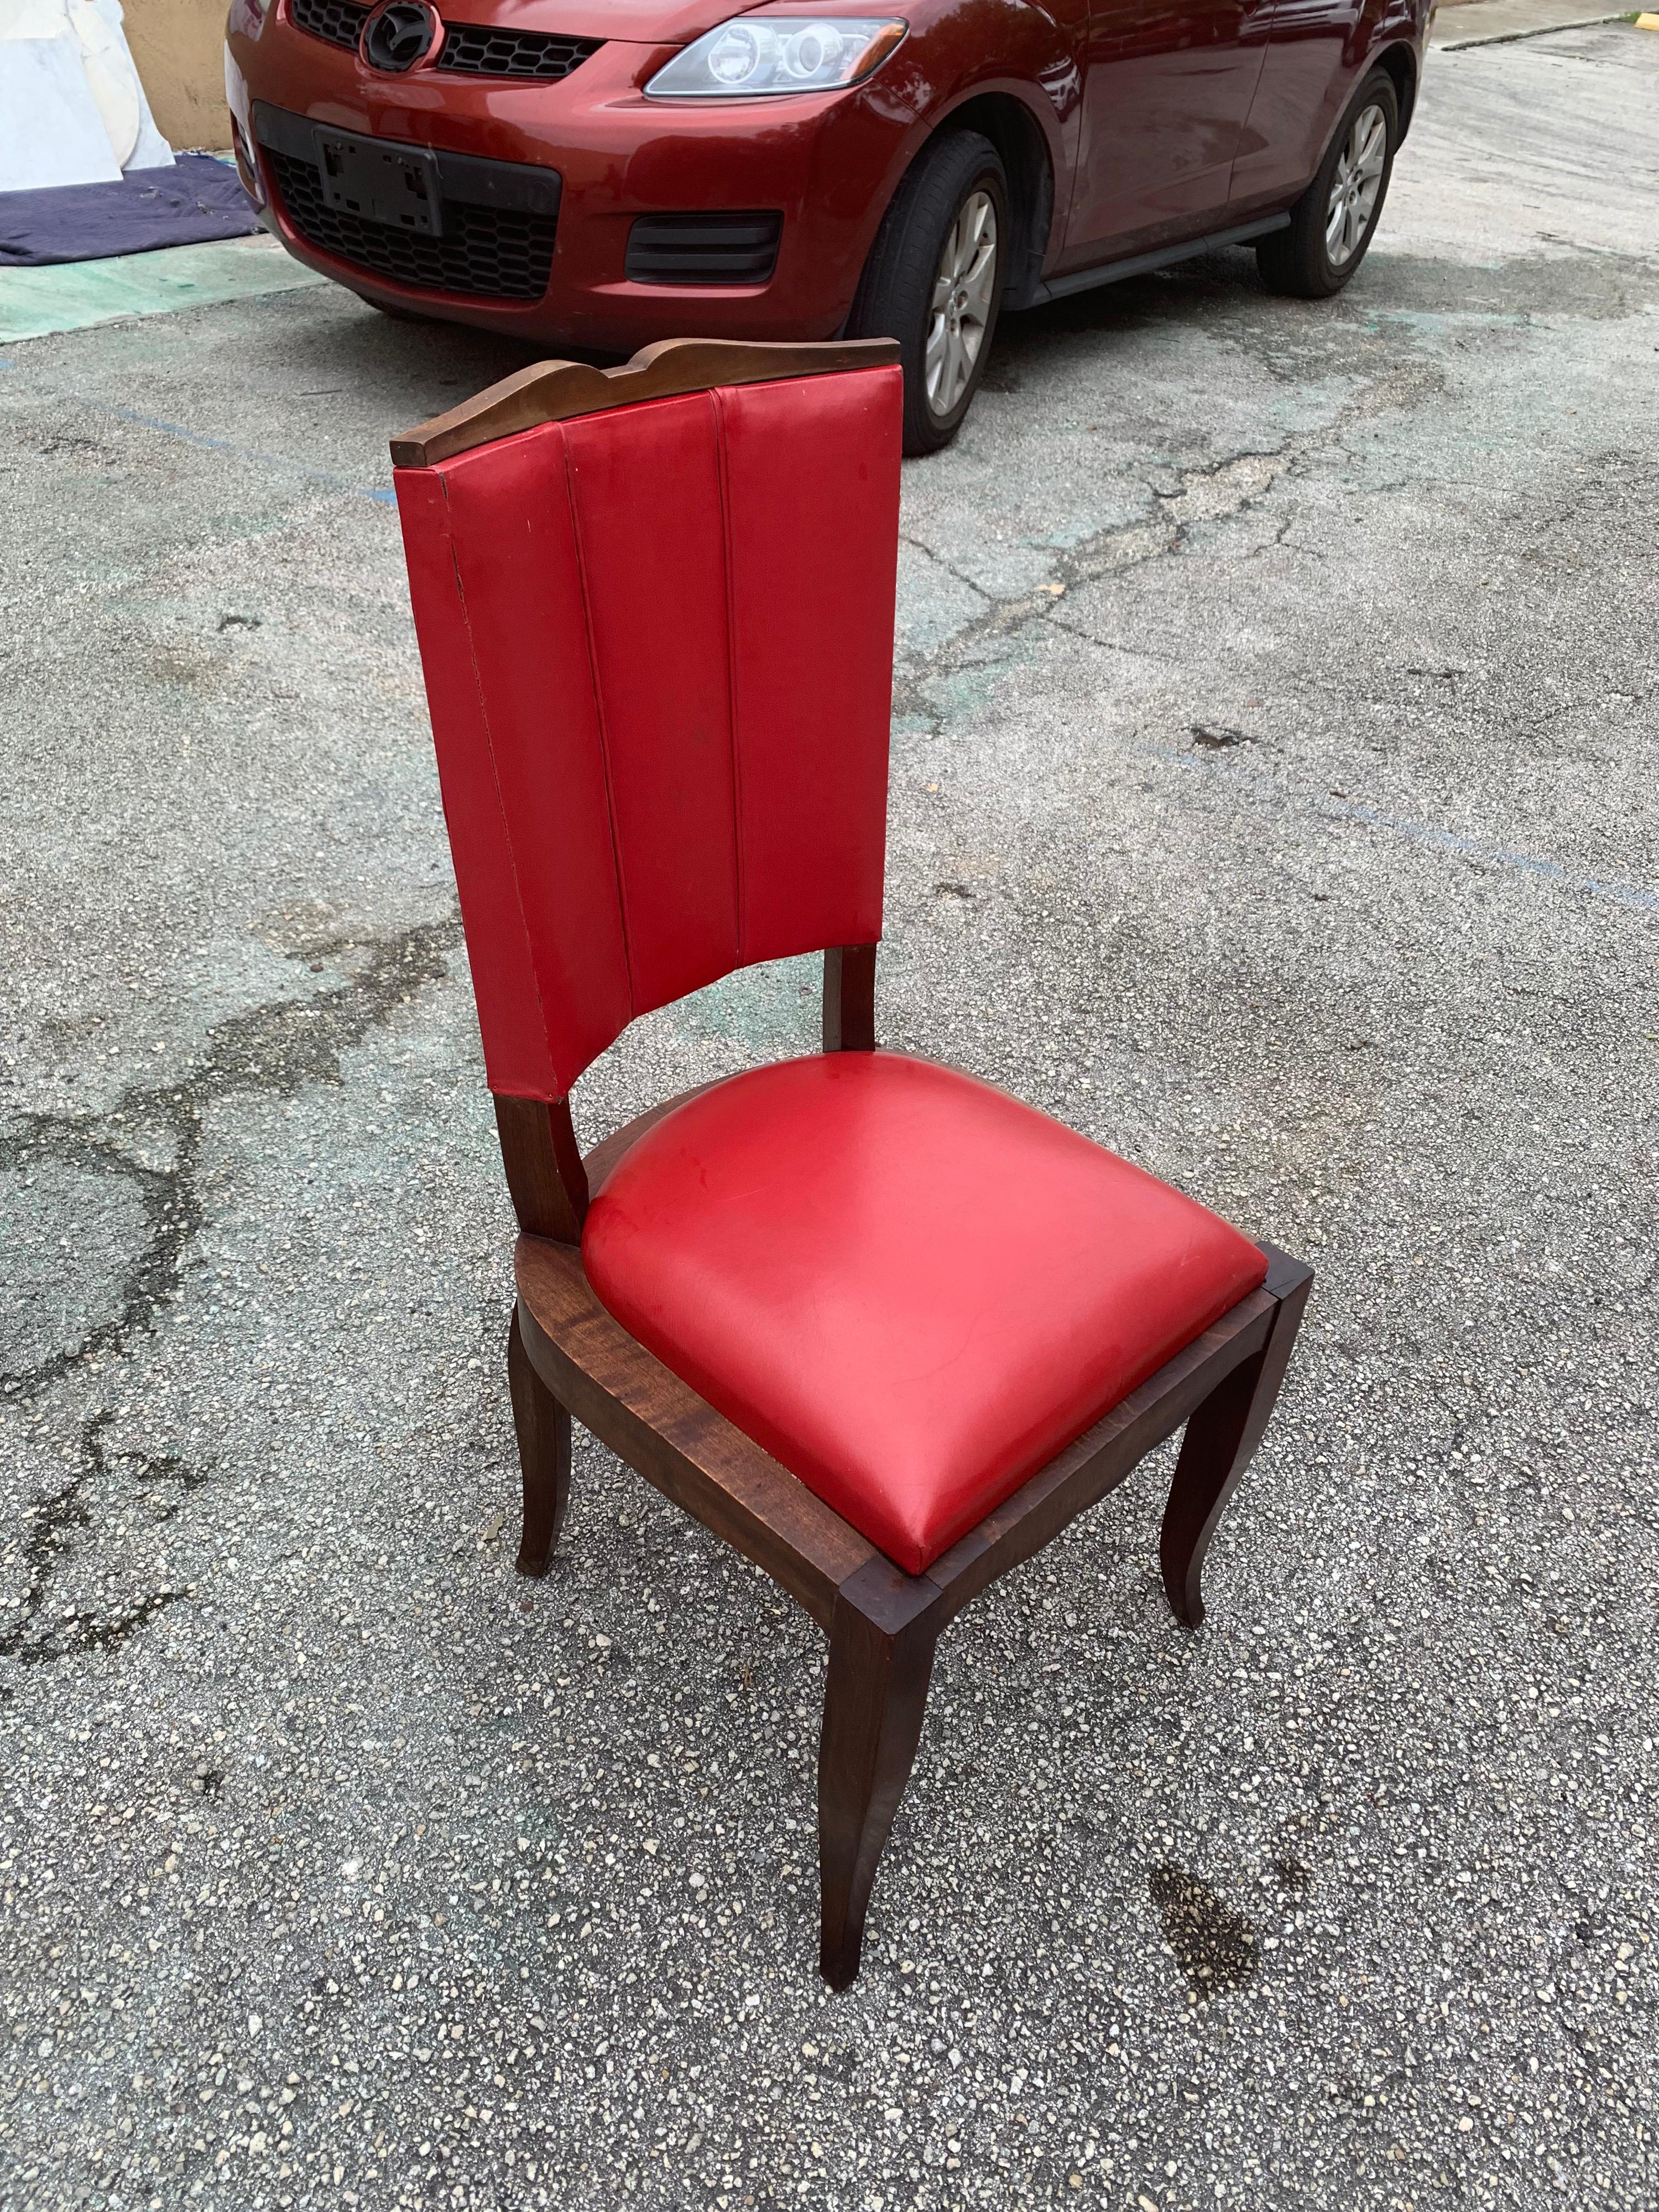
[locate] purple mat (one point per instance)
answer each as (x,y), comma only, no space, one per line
(197,198)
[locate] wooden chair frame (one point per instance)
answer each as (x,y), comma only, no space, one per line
(566,1357)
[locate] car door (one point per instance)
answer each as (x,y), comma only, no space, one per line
(1168,86)
(1310,71)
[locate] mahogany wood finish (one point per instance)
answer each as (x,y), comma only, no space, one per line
(559,390)
(849,998)
(543,1433)
(545,1178)
(1222,1437)
(881,1660)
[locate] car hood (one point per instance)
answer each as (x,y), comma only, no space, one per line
(641,23)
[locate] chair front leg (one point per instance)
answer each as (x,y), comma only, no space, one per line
(1221,1440)
(543,1433)
(881,1660)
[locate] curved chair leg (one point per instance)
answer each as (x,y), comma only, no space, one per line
(880,1664)
(544,1431)
(1221,1440)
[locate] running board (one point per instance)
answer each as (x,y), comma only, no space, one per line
(1138,264)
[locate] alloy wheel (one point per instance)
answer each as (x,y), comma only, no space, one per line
(963,297)
(1354,188)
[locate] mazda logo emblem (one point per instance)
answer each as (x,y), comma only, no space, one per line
(400,34)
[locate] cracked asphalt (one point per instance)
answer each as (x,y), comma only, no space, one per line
(1273,777)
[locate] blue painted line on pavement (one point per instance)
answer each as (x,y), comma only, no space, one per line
(239,453)
(1530,864)
(1427,833)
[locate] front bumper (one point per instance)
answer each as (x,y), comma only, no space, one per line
(825,164)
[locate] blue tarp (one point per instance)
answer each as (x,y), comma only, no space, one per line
(196,199)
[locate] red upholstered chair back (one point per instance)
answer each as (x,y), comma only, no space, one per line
(657,644)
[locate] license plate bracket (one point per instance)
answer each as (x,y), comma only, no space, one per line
(397,185)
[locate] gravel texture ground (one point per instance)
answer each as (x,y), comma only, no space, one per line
(1274,798)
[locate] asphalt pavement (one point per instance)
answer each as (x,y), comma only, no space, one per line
(1275,772)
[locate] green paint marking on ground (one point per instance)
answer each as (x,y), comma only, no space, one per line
(71,295)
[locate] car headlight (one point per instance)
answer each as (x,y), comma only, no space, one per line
(756,56)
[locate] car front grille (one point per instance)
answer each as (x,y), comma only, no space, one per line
(340,21)
(719,248)
(481,49)
(468,49)
(484,252)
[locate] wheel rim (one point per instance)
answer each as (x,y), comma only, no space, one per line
(964,296)
(1355,187)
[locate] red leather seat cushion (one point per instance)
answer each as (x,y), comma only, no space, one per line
(909,1288)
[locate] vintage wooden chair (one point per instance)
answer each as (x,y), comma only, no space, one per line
(880,1327)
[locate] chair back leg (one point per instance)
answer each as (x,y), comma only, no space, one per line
(543,1433)
(881,1660)
(1221,1440)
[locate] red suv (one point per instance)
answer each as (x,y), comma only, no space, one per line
(598,173)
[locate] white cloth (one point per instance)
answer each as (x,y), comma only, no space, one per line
(72,110)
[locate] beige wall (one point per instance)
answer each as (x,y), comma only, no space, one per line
(178,47)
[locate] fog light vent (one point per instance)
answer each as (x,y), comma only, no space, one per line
(721,248)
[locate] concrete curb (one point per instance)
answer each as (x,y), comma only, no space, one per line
(1530,31)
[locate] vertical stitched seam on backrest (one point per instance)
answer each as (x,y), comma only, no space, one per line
(717,398)
(496,783)
(605,739)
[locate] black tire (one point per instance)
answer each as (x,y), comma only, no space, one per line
(896,293)
(1297,261)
